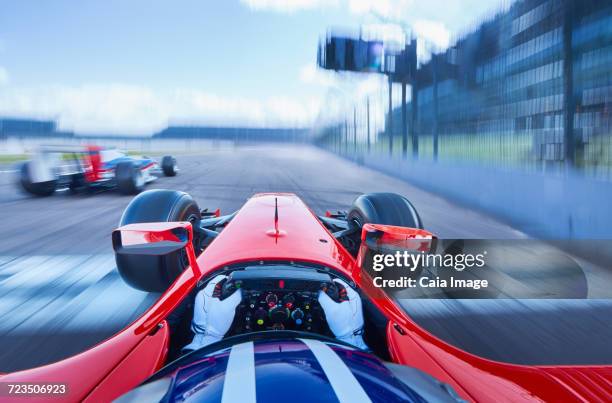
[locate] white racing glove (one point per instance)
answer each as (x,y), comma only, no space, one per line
(212,317)
(345,319)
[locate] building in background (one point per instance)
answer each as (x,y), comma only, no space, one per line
(31,128)
(17,127)
(242,134)
(530,87)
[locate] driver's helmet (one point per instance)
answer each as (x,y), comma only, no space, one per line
(287,369)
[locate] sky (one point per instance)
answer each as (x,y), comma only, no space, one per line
(133,67)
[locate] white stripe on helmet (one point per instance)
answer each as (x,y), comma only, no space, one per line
(346,387)
(239,383)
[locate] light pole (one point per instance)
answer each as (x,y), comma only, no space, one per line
(414,98)
(390,119)
(368,121)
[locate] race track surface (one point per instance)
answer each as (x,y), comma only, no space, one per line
(60,292)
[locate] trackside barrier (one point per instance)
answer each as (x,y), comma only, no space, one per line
(542,205)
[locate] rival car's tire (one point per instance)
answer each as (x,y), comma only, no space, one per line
(168,165)
(78,184)
(129,178)
(158,205)
(38,188)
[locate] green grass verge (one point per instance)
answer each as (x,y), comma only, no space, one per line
(10,158)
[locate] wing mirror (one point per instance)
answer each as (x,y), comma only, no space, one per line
(150,256)
(382,244)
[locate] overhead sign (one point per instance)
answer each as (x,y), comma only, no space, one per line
(402,66)
(349,54)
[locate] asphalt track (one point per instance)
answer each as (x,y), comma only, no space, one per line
(60,293)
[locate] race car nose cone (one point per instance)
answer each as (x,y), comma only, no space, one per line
(272,199)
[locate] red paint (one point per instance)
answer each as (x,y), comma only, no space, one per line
(146,358)
(300,241)
(92,162)
(149,165)
(115,366)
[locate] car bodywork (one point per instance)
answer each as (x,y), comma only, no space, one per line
(122,362)
(102,162)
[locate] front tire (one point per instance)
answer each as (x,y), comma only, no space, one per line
(159,205)
(380,208)
(386,209)
(129,178)
(168,165)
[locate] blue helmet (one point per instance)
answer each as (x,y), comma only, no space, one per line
(280,368)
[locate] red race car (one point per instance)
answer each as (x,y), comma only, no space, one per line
(275,303)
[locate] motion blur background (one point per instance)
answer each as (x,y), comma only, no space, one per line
(512,111)
(508,136)
(512,118)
